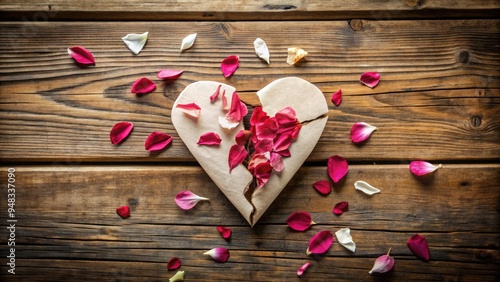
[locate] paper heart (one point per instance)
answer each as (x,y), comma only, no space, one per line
(311,110)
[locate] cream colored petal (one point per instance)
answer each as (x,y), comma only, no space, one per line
(188,41)
(345,239)
(366,188)
(295,55)
(261,49)
(179,276)
(135,42)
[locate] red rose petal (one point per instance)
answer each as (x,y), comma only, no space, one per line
(168,74)
(337,168)
(337,97)
(320,243)
(262,173)
(123,211)
(418,246)
(214,96)
(340,208)
(242,136)
(224,232)
(209,139)
(174,263)
(229,65)
(299,221)
(258,116)
(81,55)
(238,109)
(303,268)
(370,79)
(120,132)
(323,187)
(236,156)
(143,85)
(157,141)
(190,109)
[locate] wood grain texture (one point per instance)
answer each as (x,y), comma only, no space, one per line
(68,227)
(437,100)
(244,10)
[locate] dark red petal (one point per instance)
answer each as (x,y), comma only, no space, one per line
(337,97)
(323,187)
(229,65)
(418,246)
(340,208)
(320,243)
(370,79)
(169,74)
(157,141)
(174,263)
(143,85)
(81,55)
(299,221)
(123,211)
(236,156)
(242,136)
(224,232)
(262,173)
(337,168)
(120,132)
(209,139)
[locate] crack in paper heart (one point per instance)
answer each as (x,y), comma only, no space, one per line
(311,110)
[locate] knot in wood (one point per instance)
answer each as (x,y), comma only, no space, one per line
(356,24)
(475,121)
(463,57)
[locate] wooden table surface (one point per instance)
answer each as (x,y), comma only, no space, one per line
(438,100)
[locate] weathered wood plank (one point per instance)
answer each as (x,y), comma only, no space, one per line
(68,228)
(243,10)
(437,100)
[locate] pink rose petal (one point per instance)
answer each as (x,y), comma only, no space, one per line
(323,187)
(229,65)
(236,156)
(340,208)
(361,131)
(337,168)
(383,264)
(337,97)
(299,221)
(238,109)
(209,139)
(370,79)
(143,85)
(120,132)
(242,136)
(303,268)
(219,254)
(418,246)
(186,199)
(214,96)
(174,263)
(157,141)
(320,243)
(81,55)
(168,74)
(420,168)
(190,109)
(262,173)
(224,232)
(276,161)
(123,211)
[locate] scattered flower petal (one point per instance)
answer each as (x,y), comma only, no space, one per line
(157,141)
(238,109)
(179,276)
(323,187)
(186,199)
(320,243)
(261,49)
(340,208)
(420,168)
(299,221)
(361,131)
(123,211)
(143,85)
(190,109)
(345,239)
(337,168)
(365,188)
(225,106)
(188,41)
(174,263)
(224,232)
(219,254)
(226,123)
(81,55)
(337,97)
(236,156)
(210,139)
(135,42)
(169,75)
(303,268)
(242,136)
(370,79)
(383,264)
(294,55)
(120,132)
(214,96)
(229,65)
(418,246)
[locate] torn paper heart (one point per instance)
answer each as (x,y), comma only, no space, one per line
(277,100)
